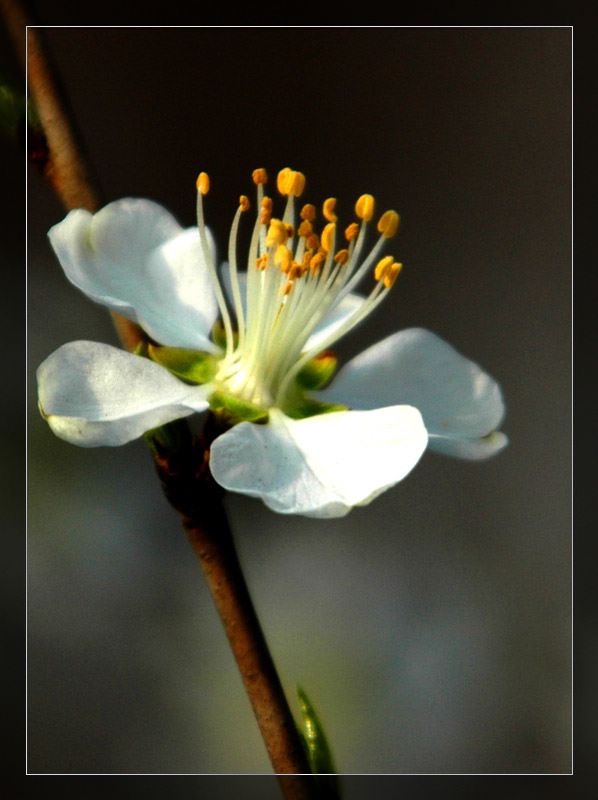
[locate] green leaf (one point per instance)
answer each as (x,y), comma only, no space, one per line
(302,407)
(318,749)
(317,372)
(192,366)
(233,410)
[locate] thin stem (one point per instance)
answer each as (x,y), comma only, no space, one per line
(190,488)
(65,167)
(186,479)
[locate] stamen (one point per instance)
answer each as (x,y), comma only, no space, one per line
(305,229)
(203,183)
(382,266)
(244,203)
(203,187)
(283,258)
(327,237)
(266,211)
(351,231)
(364,207)
(259,176)
(308,212)
(388,224)
(328,209)
(277,233)
(342,257)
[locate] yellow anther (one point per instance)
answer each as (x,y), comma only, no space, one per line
(342,257)
(283,258)
(203,183)
(277,233)
(392,274)
(351,231)
(296,271)
(244,202)
(305,229)
(266,212)
(388,224)
(290,230)
(327,237)
(262,262)
(283,180)
(308,212)
(316,262)
(364,207)
(290,182)
(313,241)
(382,266)
(259,175)
(328,209)
(297,184)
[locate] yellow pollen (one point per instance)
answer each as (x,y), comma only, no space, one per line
(290,182)
(296,271)
(342,257)
(244,202)
(364,207)
(297,184)
(313,241)
(388,224)
(328,209)
(308,212)
(382,266)
(305,229)
(327,237)
(266,212)
(351,231)
(277,233)
(261,263)
(290,230)
(287,288)
(259,175)
(392,274)
(316,262)
(283,258)
(283,180)
(203,183)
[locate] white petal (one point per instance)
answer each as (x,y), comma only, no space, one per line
(94,394)
(457,399)
(134,257)
(471,449)
(321,466)
(334,320)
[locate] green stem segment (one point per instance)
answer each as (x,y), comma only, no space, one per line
(184,473)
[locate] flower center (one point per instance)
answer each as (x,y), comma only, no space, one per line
(296,278)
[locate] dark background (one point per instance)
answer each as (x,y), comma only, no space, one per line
(432,628)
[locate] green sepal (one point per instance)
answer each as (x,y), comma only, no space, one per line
(318,372)
(317,748)
(302,407)
(233,410)
(192,366)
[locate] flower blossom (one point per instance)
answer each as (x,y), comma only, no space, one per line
(254,347)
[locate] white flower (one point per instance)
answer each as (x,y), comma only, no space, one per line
(302,451)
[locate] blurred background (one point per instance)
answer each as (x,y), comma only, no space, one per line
(431,629)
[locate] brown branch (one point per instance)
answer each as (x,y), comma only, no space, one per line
(64,165)
(186,479)
(190,488)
